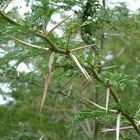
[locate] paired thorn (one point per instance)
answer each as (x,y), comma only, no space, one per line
(82,69)
(47,80)
(49,32)
(98,106)
(107,98)
(118,126)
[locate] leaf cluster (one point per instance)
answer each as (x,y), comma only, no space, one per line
(119,80)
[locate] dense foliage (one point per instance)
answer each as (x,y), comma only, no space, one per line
(82,77)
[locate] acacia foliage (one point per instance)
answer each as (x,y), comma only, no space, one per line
(113,32)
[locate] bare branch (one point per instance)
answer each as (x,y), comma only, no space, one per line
(8,19)
(52,45)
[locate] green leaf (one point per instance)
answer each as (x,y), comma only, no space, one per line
(92,113)
(119,80)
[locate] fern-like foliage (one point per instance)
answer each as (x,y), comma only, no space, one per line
(19,55)
(95,114)
(119,80)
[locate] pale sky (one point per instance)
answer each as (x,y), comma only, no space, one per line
(133,5)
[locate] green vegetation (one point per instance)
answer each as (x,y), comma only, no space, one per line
(81,84)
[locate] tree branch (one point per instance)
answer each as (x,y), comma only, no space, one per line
(8,19)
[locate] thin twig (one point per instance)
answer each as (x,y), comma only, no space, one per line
(83,47)
(73,98)
(57,25)
(69,80)
(84,86)
(98,106)
(28,44)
